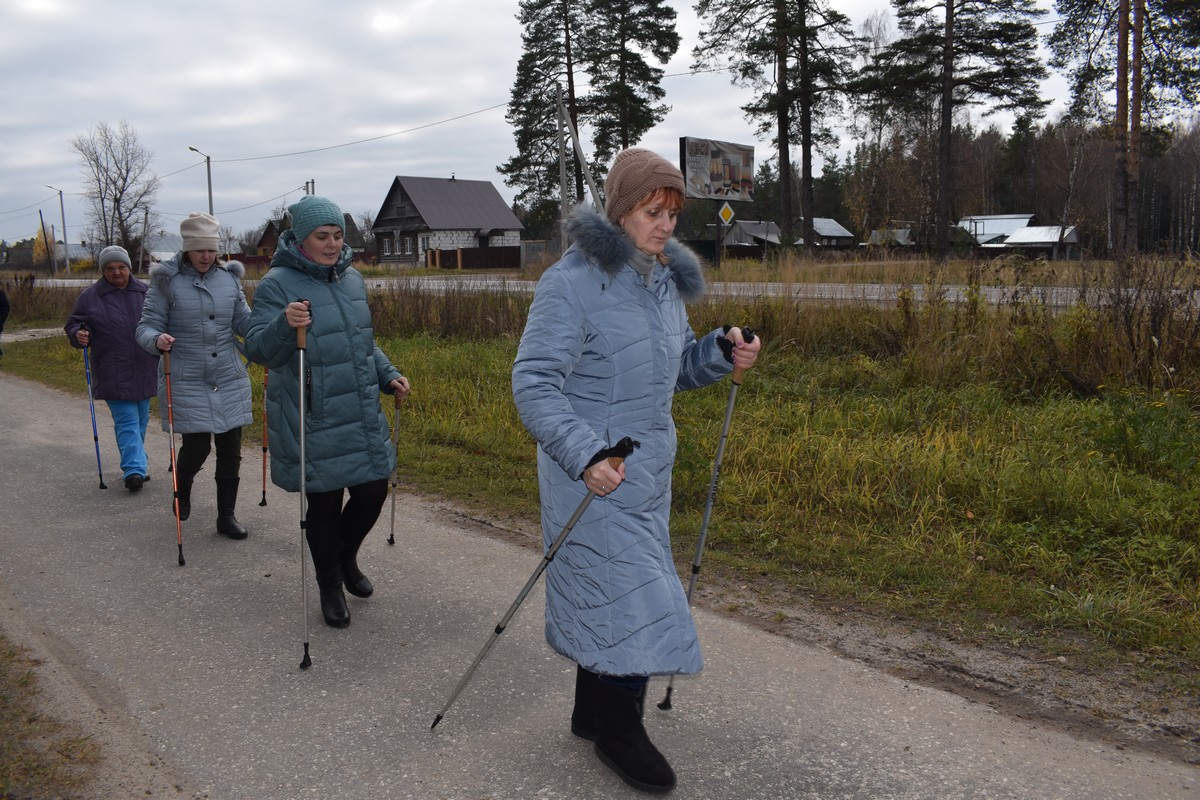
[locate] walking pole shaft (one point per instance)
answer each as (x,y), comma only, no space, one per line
(623,448)
(174,472)
(395,470)
(266,377)
(735,383)
(301,345)
(87,369)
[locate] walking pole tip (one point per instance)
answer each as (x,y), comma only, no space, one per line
(306,662)
(665,705)
(436,720)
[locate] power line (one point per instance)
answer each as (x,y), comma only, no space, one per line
(360,141)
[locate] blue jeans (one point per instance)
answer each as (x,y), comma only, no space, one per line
(130,418)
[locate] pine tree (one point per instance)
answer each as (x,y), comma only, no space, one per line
(954,53)
(626,96)
(1146,55)
(795,54)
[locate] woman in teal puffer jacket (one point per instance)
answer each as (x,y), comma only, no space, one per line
(311,284)
(606,347)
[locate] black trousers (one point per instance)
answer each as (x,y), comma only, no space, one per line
(196,447)
(335,532)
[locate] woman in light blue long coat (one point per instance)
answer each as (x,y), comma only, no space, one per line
(312,285)
(195,308)
(606,346)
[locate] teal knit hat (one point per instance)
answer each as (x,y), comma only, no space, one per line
(311,212)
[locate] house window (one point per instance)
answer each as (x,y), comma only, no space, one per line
(406,245)
(387,245)
(424,243)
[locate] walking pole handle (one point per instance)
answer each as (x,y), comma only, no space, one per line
(301,336)
(738,372)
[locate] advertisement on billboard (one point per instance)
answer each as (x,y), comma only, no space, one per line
(717,170)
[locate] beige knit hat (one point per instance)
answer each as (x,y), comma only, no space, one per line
(200,232)
(635,173)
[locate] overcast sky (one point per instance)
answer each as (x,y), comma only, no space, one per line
(279,93)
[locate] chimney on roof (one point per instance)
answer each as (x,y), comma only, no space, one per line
(451,176)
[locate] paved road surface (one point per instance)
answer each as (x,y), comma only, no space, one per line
(198,665)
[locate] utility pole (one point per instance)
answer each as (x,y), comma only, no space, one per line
(63,213)
(208,169)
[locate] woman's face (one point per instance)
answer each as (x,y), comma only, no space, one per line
(650,225)
(116,273)
(324,245)
(202,260)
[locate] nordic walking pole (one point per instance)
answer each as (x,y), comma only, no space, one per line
(735,382)
(87,371)
(395,476)
(620,451)
(266,376)
(301,344)
(166,354)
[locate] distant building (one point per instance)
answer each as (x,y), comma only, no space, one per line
(1050,241)
(743,232)
(994,229)
(828,233)
(433,215)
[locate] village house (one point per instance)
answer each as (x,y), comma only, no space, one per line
(446,222)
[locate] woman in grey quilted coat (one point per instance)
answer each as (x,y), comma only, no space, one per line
(347,449)
(606,346)
(194,310)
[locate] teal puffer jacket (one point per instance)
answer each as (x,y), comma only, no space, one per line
(346,438)
(601,358)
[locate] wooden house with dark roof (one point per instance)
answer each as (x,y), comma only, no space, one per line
(422,218)
(273,229)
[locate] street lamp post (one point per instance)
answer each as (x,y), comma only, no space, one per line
(208,169)
(62,211)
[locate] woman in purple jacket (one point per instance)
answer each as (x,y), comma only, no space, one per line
(104,319)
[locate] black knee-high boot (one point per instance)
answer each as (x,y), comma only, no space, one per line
(623,744)
(584,717)
(333,602)
(184,482)
(356,583)
(227,524)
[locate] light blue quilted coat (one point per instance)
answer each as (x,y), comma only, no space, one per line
(601,358)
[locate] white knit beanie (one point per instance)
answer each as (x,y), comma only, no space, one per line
(200,232)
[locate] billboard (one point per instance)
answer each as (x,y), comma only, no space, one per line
(717,170)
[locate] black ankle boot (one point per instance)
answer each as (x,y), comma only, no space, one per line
(622,743)
(584,717)
(356,583)
(333,605)
(227,524)
(184,483)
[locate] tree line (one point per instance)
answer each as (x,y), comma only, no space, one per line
(909,89)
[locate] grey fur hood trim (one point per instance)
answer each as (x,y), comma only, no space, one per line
(608,246)
(165,270)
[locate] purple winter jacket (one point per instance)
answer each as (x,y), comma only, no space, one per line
(120,369)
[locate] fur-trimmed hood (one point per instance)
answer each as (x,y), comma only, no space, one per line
(608,246)
(164,270)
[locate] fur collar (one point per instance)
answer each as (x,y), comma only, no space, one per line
(163,271)
(606,245)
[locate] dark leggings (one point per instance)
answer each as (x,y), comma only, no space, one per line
(334,532)
(196,446)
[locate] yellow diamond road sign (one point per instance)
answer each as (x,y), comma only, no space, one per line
(726,213)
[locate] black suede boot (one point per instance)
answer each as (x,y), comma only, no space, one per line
(622,743)
(184,481)
(584,717)
(227,524)
(333,602)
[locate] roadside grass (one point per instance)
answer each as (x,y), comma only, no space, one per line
(40,759)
